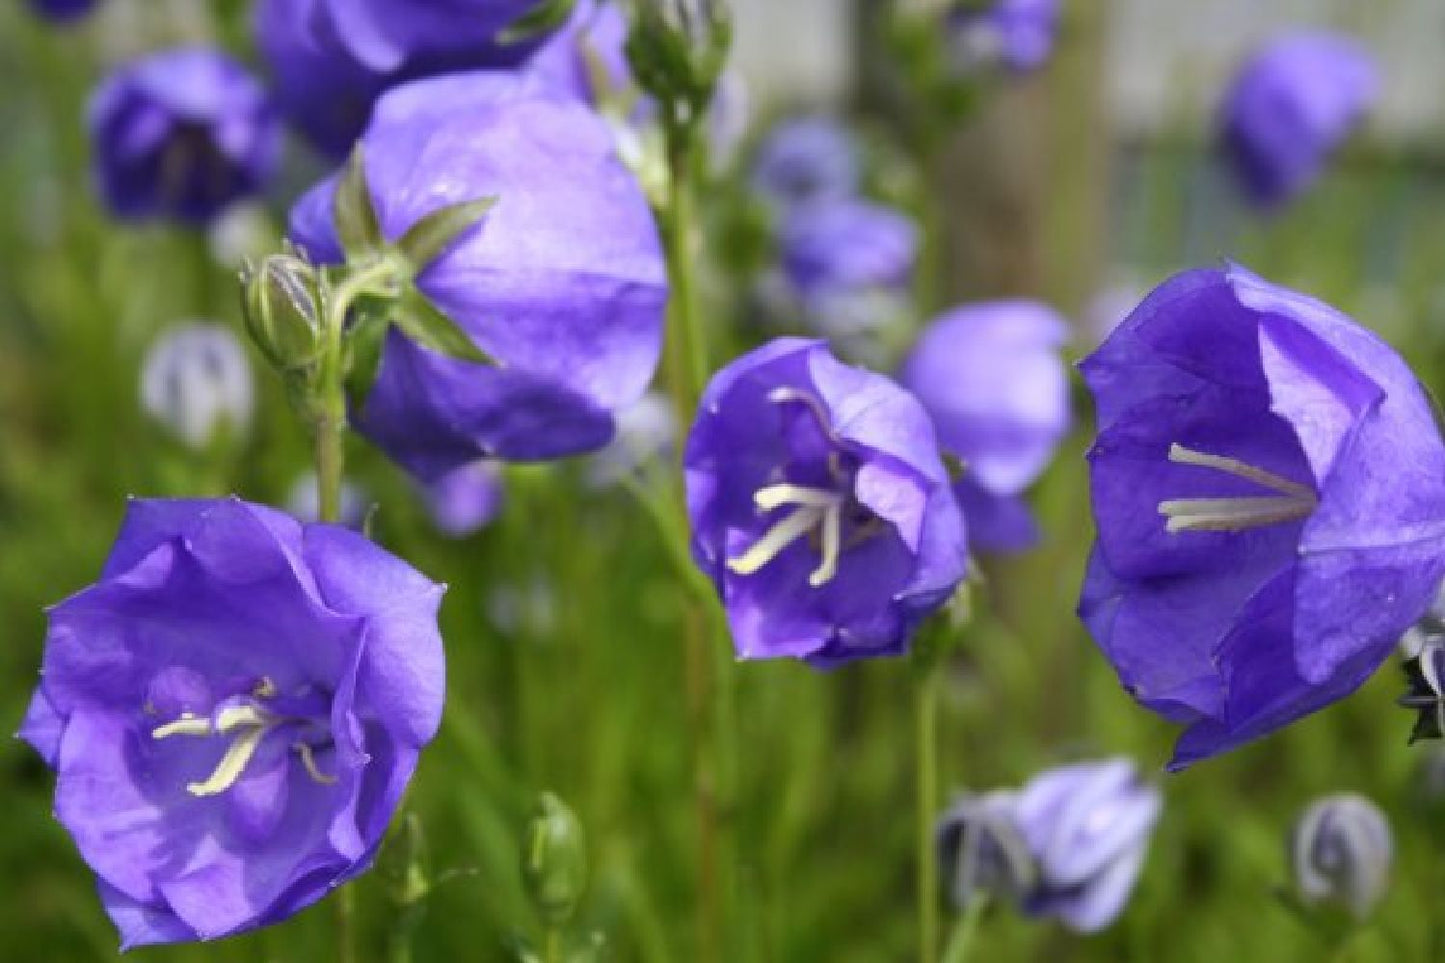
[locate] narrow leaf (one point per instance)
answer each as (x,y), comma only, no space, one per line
(356,223)
(364,340)
(434,331)
(430,237)
(543,18)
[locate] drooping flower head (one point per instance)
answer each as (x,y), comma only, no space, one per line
(233,712)
(806,159)
(331,59)
(62,11)
(1341,850)
(1269,488)
(819,506)
(195,380)
(1069,844)
(1290,106)
(991,377)
(562,284)
(1017,35)
(181,135)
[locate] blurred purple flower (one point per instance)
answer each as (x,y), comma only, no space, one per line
(1269,489)
(563,284)
(331,59)
(992,378)
(62,10)
(182,134)
(303,502)
(819,506)
(1017,35)
(1341,850)
(196,381)
(1290,106)
(464,501)
(1069,844)
(806,159)
(233,712)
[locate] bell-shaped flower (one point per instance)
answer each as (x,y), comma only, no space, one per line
(1269,489)
(233,712)
(331,59)
(820,507)
(562,283)
(62,11)
(1016,35)
(182,134)
(197,382)
(992,378)
(806,159)
(465,500)
(1291,105)
(1341,850)
(1069,845)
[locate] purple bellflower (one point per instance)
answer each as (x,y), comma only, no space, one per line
(1269,489)
(331,59)
(182,134)
(820,507)
(1341,849)
(1017,35)
(1069,845)
(62,11)
(562,284)
(465,500)
(993,380)
(1290,106)
(233,712)
(806,159)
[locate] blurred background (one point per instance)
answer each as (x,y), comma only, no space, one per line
(1082,183)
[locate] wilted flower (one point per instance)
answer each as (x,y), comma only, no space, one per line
(331,59)
(806,159)
(1017,35)
(62,10)
(197,382)
(1341,850)
(1269,488)
(182,134)
(646,431)
(233,713)
(464,500)
(1069,844)
(992,378)
(563,283)
(1291,105)
(819,506)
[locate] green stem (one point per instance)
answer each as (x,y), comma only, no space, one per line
(687,363)
(552,946)
(926,761)
(960,942)
(346,925)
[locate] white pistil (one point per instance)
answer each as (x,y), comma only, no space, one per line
(308,760)
(1293,501)
(815,508)
(248,725)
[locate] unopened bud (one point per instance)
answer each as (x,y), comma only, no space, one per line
(554,860)
(981,851)
(1341,850)
(282,315)
(677,50)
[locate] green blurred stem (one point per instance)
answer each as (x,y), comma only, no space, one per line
(960,942)
(552,946)
(346,925)
(687,364)
(925,703)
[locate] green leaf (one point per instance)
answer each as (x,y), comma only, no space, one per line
(434,331)
(430,237)
(364,340)
(543,18)
(356,223)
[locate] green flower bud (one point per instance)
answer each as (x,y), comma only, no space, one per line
(554,860)
(282,314)
(677,49)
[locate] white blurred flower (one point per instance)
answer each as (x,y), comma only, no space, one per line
(646,430)
(195,379)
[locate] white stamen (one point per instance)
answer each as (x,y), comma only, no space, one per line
(1235,514)
(308,759)
(232,764)
(187,725)
(816,507)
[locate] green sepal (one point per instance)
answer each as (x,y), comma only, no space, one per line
(353,211)
(364,341)
(543,18)
(430,237)
(428,327)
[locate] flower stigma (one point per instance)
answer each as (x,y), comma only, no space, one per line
(1293,501)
